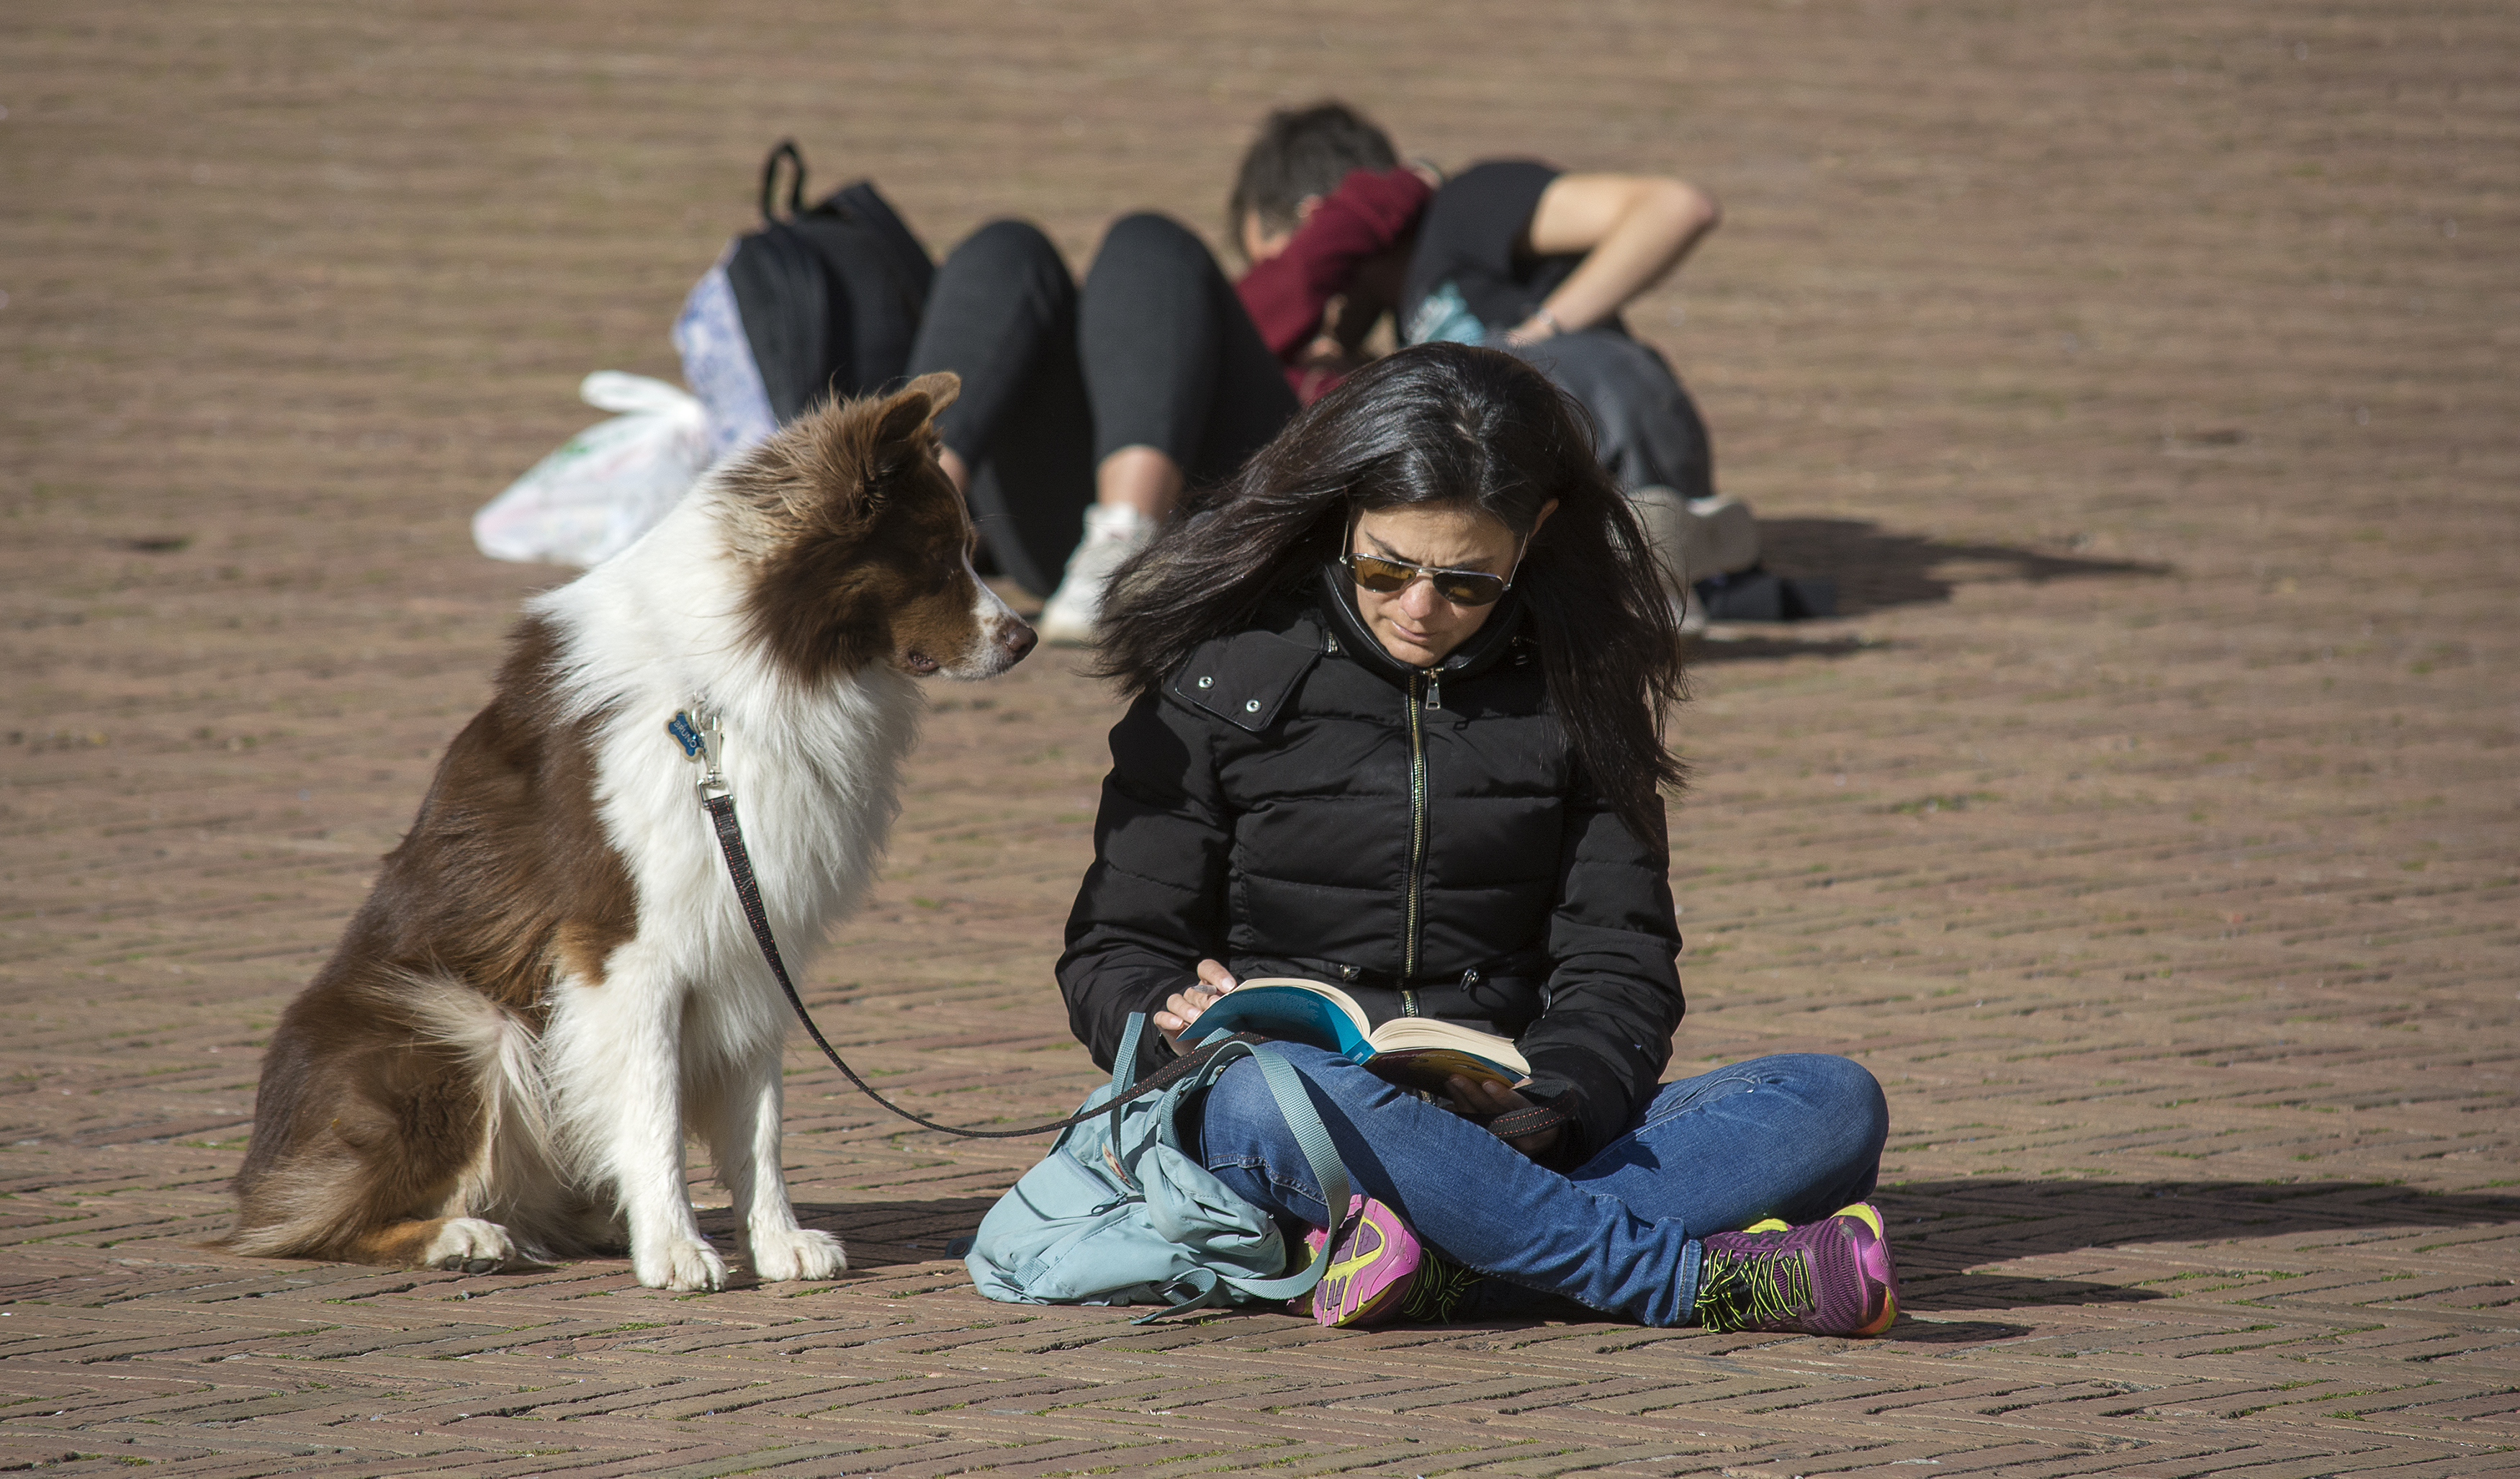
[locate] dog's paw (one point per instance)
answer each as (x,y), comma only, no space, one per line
(797,1253)
(470,1245)
(678,1264)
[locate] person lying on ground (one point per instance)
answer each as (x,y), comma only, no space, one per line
(1104,402)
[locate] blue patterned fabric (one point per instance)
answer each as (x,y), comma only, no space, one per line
(718,366)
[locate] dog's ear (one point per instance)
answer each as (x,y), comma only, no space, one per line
(903,429)
(942,387)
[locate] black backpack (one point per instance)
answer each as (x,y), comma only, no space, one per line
(830,296)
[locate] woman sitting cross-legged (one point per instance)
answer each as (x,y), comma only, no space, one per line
(1397,725)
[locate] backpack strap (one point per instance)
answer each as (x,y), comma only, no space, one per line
(786,150)
(1124,1063)
(1104,1102)
(1330,1173)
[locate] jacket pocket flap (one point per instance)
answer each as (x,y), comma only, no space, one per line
(1246,678)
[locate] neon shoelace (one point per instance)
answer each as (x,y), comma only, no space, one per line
(1754,1290)
(1437,1290)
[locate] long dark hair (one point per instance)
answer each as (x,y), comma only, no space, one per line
(1438,423)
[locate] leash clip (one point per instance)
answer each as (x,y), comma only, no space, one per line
(702,737)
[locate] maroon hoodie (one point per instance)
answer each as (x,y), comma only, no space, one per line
(1285,295)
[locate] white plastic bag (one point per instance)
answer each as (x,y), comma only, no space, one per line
(606,485)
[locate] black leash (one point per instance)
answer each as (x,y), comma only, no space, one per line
(697,732)
(739,863)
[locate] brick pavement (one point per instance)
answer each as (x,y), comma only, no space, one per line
(2146,825)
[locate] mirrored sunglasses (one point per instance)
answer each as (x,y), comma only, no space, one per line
(1387,577)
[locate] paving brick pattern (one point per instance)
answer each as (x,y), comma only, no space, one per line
(2141,371)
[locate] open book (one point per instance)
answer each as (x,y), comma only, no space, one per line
(1415,1053)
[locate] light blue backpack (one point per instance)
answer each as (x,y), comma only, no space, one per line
(1120,1214)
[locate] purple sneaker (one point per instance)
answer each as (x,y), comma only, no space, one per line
(1831,1277)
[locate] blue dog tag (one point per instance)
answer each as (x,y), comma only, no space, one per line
(686,735)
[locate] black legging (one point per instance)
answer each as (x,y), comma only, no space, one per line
(1156,351)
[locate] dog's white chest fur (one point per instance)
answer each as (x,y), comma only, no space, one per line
(815,772)
(690,998)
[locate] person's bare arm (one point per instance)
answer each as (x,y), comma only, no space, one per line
(1634,230)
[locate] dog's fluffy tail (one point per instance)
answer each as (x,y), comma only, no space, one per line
(321,1197)
(499,1050)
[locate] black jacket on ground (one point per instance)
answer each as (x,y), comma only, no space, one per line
(1264,809)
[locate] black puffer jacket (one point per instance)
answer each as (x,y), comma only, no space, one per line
(1294,801)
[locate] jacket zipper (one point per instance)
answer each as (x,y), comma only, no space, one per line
(1417,848)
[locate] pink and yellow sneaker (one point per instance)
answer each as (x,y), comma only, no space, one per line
(1371,1269)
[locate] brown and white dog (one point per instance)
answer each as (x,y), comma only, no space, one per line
(552,983)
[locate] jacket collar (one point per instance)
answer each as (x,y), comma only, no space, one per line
(1490,644)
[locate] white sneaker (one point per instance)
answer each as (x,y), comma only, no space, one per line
(1113,533)
(1728,536)
(1694,538)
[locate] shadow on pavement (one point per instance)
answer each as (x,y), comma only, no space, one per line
(1948,1331)
(1755,643)
(1876,568)
(2012,1218)
(1926,1290)
(882,1234)
(1939,1228)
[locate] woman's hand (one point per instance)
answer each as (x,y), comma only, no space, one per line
(1214,981)
(1485,1099)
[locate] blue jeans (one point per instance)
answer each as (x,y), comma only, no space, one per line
(1796,1135)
